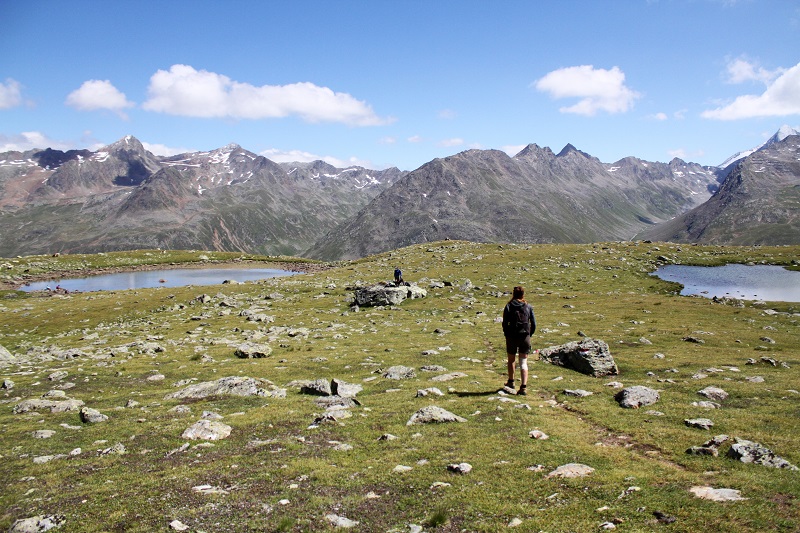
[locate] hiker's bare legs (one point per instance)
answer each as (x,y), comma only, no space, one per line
(523,368)
(512,359)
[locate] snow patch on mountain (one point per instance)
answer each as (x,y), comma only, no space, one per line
(783,132)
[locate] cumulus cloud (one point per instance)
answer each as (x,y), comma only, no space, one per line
(98,94)
(781,98)
(28,140)
(300,156)
(456,141)
(741,70)
(597,89)
(185,91)
(10,94)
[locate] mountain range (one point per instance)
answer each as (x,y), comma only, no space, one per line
(124,197)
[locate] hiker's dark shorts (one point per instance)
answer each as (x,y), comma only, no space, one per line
(523,344)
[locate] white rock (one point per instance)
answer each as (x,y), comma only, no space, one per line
(717,495)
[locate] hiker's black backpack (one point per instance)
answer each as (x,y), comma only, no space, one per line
(520,320)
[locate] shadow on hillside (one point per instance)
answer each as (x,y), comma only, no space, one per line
(464,394)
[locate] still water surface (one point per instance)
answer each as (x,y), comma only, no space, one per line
(158,278)
(756,282)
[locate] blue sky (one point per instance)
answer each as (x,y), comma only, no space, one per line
(380,83)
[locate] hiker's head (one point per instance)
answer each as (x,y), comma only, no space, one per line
(519,293)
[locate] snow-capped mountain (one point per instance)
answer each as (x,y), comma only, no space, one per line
(783,132)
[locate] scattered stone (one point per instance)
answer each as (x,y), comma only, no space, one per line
(253,351)
(387,436)
(207,430)
(571,470)
(710,447)
(538,435)
(27,406)
(644,340)
(433,368)
(6,356)
(755,379)
(344,389)
(318,387)
(177,525)
(340,521)
(693,339)
(43,433)
(514,522)
(752,452)
(433,415)
(399,372)
(699,423)
(717,495)
(706,404)
(636,396)
(229,386)
(58,376)
(402,468)
(713,393)
(664,518)
(157,377)
(7,383)
(335,402)
(92,416)
(209,489)
(421,393)
(387,294)
(449,377)
(37,524)
(460,468)
(615,385)
(588,356)
(117,449)
(579,393)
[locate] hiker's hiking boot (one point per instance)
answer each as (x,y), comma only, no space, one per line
(523,390)
(509,384)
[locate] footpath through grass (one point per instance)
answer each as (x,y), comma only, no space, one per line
(123,352)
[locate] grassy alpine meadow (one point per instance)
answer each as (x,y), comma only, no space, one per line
(283,469)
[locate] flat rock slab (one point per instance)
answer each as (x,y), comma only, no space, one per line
(752,452)
(253,351)
(717,495)
(387,294)
(399,372)
(699,423)
(433,415)
(37,524)
(588,356)
(92,416)
(571,470)
(54,406)
(229,386)
(636,396)
(207,430)
(449,377)
(713,393)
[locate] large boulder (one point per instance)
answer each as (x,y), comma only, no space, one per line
(587,356)
(752,452)
(433,415)
(636,396)
(387,294)
(229,386)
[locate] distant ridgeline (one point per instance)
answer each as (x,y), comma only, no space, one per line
(123,197)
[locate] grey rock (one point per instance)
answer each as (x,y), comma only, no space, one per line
(433,415)
(92,416)
(399,372)
(433,368)
(710,447)
(37,524)
(587,356)
(571,470)
(7,383)
(579,393)
(207,430)
(699,423)
(229,386)
(53,406)
(449,377)
(459,468)
(340,521)
(752,452)
(318,387)
(717,495)
(387,294)
(43,433)
(344,389)
(58,375)
(330,402)
(422,393)
(636,396)
(253,351)
(713,393)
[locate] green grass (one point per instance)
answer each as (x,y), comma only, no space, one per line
(273,455)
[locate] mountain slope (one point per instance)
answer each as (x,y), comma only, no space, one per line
(758,203)
(536,197)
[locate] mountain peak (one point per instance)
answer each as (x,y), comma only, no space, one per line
(129,143)
(783,132)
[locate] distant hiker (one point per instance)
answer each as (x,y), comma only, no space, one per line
(398,277)
(519,324)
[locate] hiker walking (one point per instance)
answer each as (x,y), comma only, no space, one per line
(519,324)
(398,276)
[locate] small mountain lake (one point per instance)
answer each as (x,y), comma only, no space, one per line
(145,279)
(743,282)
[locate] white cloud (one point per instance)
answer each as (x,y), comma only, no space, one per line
(447,114)
(299,156)
(98,94)
(781,98)
(188,92)
(740,70)
(598,89)
(10,94)
(164,150)
(415,139)
(451,142)
(659,116)
(28,140)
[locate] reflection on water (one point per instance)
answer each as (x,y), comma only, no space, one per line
(157,278)
(756,282)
